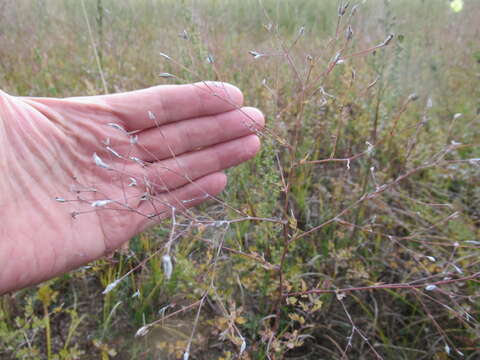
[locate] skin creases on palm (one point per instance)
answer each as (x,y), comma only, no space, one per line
(81,176)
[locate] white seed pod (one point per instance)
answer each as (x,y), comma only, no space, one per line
(370,147)
(133,182)
(430,287)
(134,139)
(165,56)
(457,269)
(413,97)
(474,242)
(256,55)
(349,32)
(387,40)
(167,266)
(99,162)
(336,58)
(111,286)
(142,331)
(100,203)
(184,34)
(242,347)
(118,127)
(112,151)
(138,161)
(166,75)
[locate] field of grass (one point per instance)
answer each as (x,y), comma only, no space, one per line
(354,234)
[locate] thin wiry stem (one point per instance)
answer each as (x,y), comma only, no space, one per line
(94,46)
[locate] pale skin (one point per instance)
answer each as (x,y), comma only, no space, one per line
(46,151)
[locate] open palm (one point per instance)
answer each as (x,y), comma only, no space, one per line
(81,176)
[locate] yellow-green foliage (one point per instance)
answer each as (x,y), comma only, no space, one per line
(404,210)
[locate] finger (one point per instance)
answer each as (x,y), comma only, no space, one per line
(184,136)
(176,172)
(180,199)
(143,109)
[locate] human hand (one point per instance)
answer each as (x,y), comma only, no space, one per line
(120,163)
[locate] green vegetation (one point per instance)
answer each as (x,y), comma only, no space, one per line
(368,178)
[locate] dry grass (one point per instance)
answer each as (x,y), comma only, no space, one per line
(353,235)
